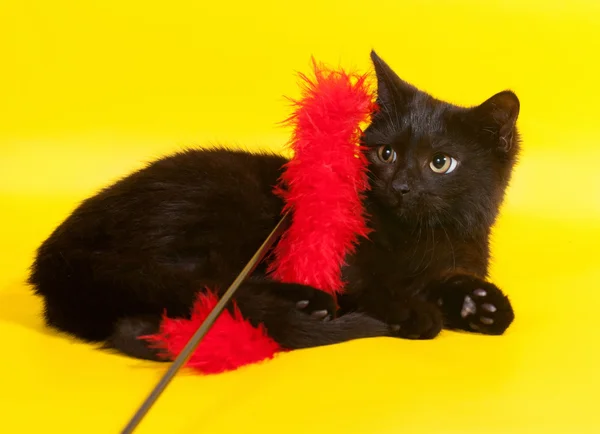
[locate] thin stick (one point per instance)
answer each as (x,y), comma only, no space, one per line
(194,341)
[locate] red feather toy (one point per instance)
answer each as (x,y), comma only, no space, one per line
(323,186)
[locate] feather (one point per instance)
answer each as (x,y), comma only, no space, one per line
(323,186)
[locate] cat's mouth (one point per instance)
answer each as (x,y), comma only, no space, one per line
(407,208)
(398,205)
(403,201)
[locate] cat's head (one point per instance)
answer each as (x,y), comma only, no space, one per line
(437,162)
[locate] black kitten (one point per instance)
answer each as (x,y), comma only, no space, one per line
(192,220)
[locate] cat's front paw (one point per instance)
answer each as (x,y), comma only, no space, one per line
(416,319)
(472,304)
(313,302)
(263,300)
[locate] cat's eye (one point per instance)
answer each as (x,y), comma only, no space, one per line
(386,154)
(442,163)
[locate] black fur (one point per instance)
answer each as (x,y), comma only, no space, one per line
(192,220)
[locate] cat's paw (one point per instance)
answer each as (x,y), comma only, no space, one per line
(416,320)
(475,305)
(318,304)
(263,300)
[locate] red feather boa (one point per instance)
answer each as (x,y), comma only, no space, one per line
(324,181)
(322,185)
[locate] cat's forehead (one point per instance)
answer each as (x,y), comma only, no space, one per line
(417,120)
(425,116)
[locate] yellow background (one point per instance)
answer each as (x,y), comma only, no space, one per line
(89,90)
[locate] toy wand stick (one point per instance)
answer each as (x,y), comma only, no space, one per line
(325,181)
(194,341)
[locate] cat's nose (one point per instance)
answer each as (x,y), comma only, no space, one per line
(401,187)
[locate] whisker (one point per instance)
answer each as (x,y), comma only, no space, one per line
(450,241)
(417,245)
(431,258)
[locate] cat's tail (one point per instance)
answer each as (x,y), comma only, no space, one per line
(126,337)
(310,333)
(307,333)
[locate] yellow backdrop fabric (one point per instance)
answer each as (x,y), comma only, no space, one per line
(90,90)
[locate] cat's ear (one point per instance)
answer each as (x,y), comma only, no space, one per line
(497,116)
(391,89)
